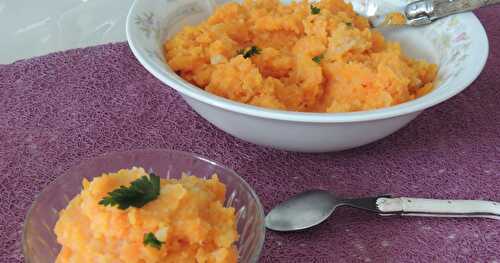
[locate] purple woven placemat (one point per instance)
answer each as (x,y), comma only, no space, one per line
(59,109)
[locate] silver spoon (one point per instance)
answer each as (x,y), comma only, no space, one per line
(311,208)
(416,13)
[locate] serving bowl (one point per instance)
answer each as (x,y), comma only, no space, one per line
(457,44)
(39,241)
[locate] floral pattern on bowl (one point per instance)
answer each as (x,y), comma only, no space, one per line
(449,36)
(153,26)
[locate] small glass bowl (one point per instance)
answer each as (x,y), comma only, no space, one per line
(39,241)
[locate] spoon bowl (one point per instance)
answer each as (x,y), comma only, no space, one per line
(311,208)
(302,211)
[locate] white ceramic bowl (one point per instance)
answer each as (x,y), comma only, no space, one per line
(458,44)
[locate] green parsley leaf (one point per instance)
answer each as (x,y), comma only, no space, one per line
(139,193)
(315,10)
(349,24)
(151,240)
(318,58)
(251,52)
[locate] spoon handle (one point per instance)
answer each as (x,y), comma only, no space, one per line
(438,208)
(444,8)
(423,12)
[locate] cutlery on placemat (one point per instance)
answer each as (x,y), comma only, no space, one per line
(310,208)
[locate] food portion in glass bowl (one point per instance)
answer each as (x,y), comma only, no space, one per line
(133,216)
(307,57)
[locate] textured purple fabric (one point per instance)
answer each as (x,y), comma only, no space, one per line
(58,109)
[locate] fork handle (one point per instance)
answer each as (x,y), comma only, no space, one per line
(438,208)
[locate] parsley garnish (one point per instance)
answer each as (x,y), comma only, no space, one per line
(318,58)
(151,240)
(349,24)
(249,53)
(315,10)
(139,193)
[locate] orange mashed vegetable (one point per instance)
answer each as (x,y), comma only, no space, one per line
(188,216)
(395,18)
(357,70)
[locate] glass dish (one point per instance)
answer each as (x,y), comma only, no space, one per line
(39,241)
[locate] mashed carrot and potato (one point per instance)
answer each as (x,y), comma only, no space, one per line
(310,57)
(187,220)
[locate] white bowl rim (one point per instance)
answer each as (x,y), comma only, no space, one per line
(413,106)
